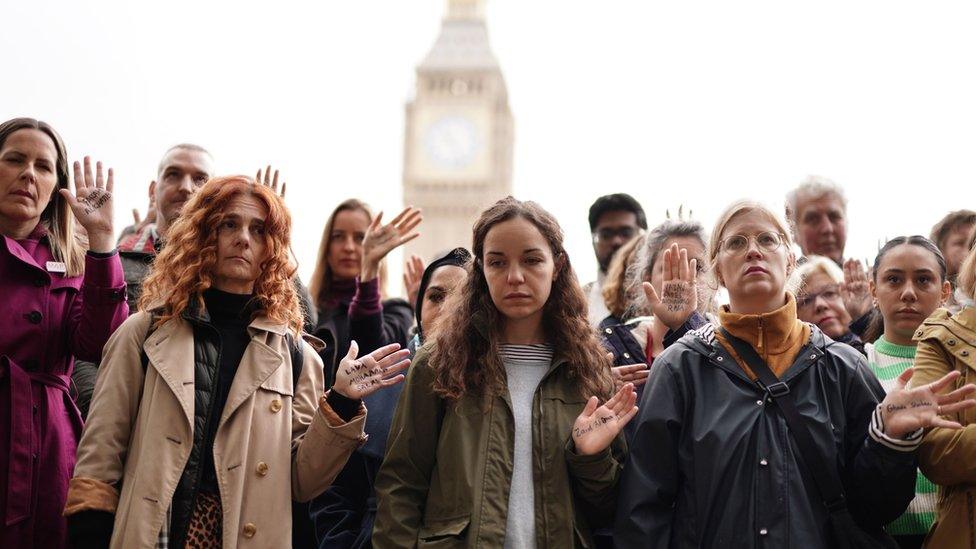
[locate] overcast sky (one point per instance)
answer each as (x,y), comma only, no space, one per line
(695,103)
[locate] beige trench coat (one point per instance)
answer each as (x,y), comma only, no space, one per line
(271,445)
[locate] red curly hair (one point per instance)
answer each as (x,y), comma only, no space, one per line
(184,268)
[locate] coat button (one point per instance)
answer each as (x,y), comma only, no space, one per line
(262,469)
(608,330)
(951,342)
(275,406)
(720,359)
(763,531)
(626,355)
(918,333)
(964,353)
(249,530)
(34,317)
(763,462)
(759,402)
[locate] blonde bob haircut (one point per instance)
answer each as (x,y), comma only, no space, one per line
(819,264)
(750,207)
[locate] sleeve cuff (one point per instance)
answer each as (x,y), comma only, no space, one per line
(102,255)
(346,408)
(910,443)
(366,302)
(104,280)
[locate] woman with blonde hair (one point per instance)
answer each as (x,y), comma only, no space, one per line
(208,416)
(946,345)
(62,298)
(347,285)
(820,300)
(759,431)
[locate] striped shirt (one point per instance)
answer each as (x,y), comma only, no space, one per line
(888,361)
(525,366)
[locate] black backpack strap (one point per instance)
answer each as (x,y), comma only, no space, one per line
(831,489)
(142,352)
(295,347)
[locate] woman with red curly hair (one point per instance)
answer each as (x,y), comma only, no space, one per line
(208,417)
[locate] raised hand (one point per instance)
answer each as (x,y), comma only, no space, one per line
(267,181)
(855,291)
(906,410)
(596,427)
(381,239)
(92,204)
(359,377)
(413,272)
(140,223)
(631,373)
(679,290)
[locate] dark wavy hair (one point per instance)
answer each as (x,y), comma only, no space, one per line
(465,357)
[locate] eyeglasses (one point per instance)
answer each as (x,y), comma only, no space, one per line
(808,299)
(737,244)
(607,234)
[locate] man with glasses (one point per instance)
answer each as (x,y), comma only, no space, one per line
(614,220)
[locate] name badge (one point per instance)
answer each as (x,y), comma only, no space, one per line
(56,267)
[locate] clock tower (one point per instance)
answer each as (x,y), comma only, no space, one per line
(459,133)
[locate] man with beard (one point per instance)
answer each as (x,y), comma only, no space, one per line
(614,220)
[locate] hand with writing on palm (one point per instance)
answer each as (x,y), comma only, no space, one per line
(359,377)
(382,239)
(905,410)
(679,290)
(92,204)
(855,291)
(596,427)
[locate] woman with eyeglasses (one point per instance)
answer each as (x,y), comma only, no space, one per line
(820,300)
(714,460)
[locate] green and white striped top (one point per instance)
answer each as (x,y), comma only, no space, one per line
(888,361)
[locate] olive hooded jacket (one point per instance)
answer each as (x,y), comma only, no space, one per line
(446,478)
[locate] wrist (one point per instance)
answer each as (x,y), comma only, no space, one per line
(100,242)
(369,272)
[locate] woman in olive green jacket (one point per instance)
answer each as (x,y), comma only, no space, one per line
(947,342)
(498,440)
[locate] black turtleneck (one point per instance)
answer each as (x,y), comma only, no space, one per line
(230,314)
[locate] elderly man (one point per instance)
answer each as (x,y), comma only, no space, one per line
(817,210)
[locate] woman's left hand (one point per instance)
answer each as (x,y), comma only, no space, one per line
(92,205)
(907,410)
(267,181)
(360,377)
(596,427)
(382,239)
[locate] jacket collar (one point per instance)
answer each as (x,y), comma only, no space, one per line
(197,314)
(771,333)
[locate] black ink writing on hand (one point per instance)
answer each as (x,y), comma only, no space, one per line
(675,297)
(595,424)
(95,200)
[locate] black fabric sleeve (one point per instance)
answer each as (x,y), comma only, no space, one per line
(90,529)
(346,408)
(695,321)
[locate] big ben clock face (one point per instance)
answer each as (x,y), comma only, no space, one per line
(452,142)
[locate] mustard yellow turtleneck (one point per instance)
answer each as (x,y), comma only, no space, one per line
(777,336)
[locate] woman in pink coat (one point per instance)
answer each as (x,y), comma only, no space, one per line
(58,302)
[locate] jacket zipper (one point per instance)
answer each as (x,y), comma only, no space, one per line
(760,347)
(208,426)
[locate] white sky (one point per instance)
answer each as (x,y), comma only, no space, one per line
(697,103)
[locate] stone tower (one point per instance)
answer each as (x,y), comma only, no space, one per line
(459,133)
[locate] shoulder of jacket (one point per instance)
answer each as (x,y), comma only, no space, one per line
(936,326)
(705,333)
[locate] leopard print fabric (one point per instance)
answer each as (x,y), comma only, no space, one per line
(206,528)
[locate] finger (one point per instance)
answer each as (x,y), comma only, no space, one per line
(403,213)
(626,400)
(683,264)
(639,382)
(947,409)
(405,229)
(938,385)
(267,176)
(99,176)
(651,294)
(284,187)
(944,423)
(414,214)
(638,376)
(958,394)
(408,238)
(274,182)
(391,381)
(617,397)
(396,368)
(902,380)
(135,216)
(631,368)
(393,358)
(78,181)
(72,201)
(257,177)
(694,270)
(383,351)
(376,222)
(622,421)
(667,265)
(89,179)
(353,350)
(110,184)
(675,262)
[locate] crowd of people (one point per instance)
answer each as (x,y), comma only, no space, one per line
(175,384)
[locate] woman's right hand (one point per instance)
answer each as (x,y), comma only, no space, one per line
(679,290)
(360,377)
(855,291)
(382,239)
(631,373)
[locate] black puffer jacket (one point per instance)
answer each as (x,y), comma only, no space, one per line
(712,462)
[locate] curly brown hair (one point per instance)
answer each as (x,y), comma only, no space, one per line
(184,268)
(465,357)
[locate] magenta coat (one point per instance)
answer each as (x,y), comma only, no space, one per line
(46,319)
